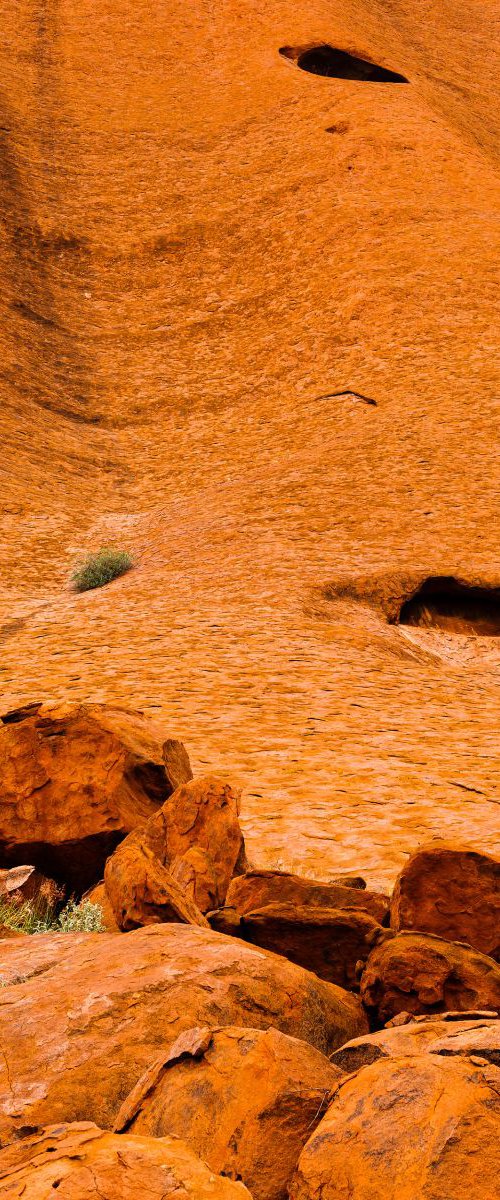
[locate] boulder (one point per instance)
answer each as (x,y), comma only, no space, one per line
(246,1101)
(74,780)
(255,889)
(82,1017)
(18,884)
(331,942)
(98,895)
(86,1163)
(420,973)
(404,1128)
(141,891)
(453,892)
(423,1036)
(197,835)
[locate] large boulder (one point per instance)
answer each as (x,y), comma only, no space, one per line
(18,884)
(420,973)
(74,780)
(444,1034)
(82,1162)
(82,1017)
(245,1100)
(257,888)
(141,891)
(197,836)
(331,942)
(453,892)
(404,1128)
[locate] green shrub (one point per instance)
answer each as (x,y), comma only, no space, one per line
(31,916)
(100,568)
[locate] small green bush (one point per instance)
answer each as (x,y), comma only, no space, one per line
(31,917)
(100,568)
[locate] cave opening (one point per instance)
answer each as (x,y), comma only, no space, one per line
(442,602)
(337,64)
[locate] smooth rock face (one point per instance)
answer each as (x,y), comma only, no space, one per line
(434,1035)
(255,889)
(246,1101)
(143,892)
(419,973)
(82,1017)
(81,1162)
(74,780)
(327,941)
(405,1128)
(98,895)
(453,892)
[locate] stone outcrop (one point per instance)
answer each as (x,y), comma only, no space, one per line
(451,891)
(449,1033)
(244,1100)
(18,884)
(404,1128)
(190,848)
(74,780)
(82,1017)
(328,941)
(141,891)
(420,973)
(258,888)
(87,1163)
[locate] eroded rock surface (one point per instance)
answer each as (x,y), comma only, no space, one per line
(257,888)
(81,1162)
(420,973)
(244,1100)
(451,891)
(331,942)
(141,891)
(82,1017)
(74,780)
(404,1128)
(445,1034)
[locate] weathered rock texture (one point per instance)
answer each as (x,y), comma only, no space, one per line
(74,780)
(255,889)
(419,973)
(82,1017)
(208,259)
(246,1101)
(432,1035)
(83,1162)
(143,892)
(180,864)
(406,1127)
(331,942)
(451,891)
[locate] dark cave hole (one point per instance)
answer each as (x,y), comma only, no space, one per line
(443,603)
(337,64)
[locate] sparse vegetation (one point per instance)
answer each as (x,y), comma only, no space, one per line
(100,568)
(33,916)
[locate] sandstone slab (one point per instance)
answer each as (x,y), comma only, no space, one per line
(451,891)
(245,1100)
(257,888)
(83,1162)
(331,942)
(82,1017)
(445,1034)
(75,779)
(141,891)
(420,973)
(404,1128)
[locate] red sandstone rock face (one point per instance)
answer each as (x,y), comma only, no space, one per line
(245,1100)
(451,891)
(74,781)
(98,895)
(403,1128)
(255,889)
(446,1034)
(85,1163)
(143,892)
(419,973)
(82,1017)
(331,942)
(209,258)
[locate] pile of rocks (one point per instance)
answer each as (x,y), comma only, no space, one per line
(235,1032)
